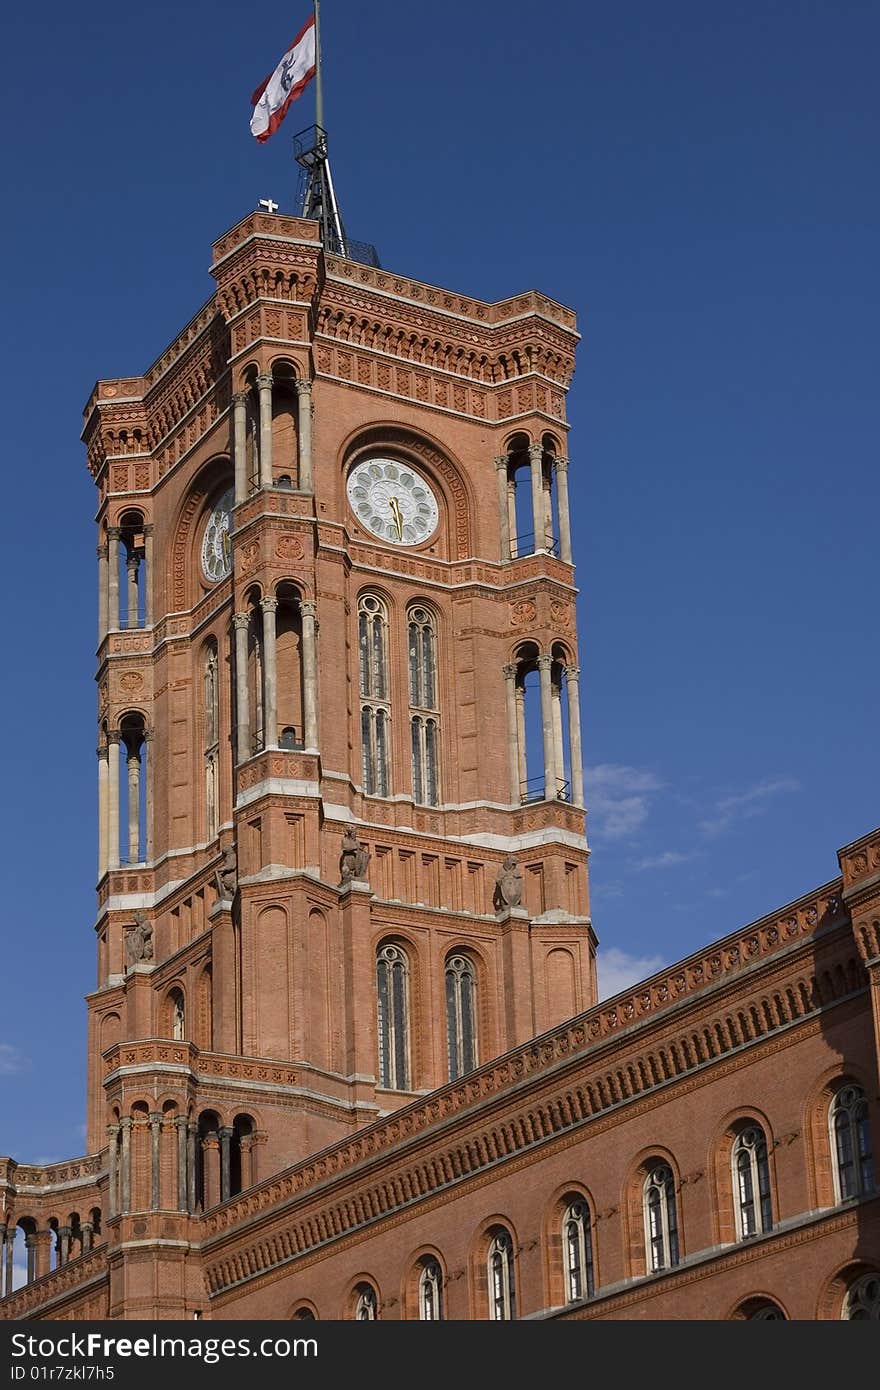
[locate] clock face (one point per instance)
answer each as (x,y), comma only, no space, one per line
(392,501)
(217,542)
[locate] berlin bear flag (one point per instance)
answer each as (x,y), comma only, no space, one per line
(292,75)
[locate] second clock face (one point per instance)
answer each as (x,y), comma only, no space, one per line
(392,501)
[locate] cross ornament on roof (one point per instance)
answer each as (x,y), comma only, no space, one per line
(269,204)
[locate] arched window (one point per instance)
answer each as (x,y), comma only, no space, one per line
(366,1307)
(862,1302)
(461,1015)
(577,1248)
(392,987)
(431,1292)
(424,703)
(661,1223)
(851,1143)
(212,737)
(751,1183)
(499,1272)
(375,695)
(177,1015)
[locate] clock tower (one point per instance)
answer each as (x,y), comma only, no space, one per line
(342,854)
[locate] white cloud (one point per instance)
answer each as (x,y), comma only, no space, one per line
(619,970)
(754,801)
(618,798)
(667,860)
(12,1061)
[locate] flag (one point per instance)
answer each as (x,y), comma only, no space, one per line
(292,75)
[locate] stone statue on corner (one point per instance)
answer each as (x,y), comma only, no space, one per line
(226,875)
(508,885)
(139,940)
(354,858)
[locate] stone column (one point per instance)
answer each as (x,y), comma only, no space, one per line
(42,1248)
(503,510)
(103,770)
(521,738)
(308,609)
(264,385)
(133,762)
(225,1133)
(148,576)
(536,465)
(88,1231)
(512,733)
(545,664)
(558,739)
(10,1256)
(113,534)
(247,1161)
(155,1133)
(113,1184)
(103,592)
(548,512)
(30,1245)
(132,565)
(561,469)
(240,622)
(572,673)
(125,1185)
(304,435)
(211,1170)
(64,1233)
(511,518)
(191,1136)
(239,417)
(148,772)
(270,678)
(181,1162)
(3,1290)
(113,799)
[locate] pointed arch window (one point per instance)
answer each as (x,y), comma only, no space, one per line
(374,693)
(424,702)
(431,1292)
(751,1183)
(461,1015)
(177,1015)
(499,1271)
(392,988)
(851,1143)
(661,1221)
(577,1249)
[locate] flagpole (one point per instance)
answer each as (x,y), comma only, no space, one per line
(319,88)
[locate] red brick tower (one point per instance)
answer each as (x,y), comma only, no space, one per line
(342,851)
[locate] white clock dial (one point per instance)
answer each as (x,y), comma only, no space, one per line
(217,542)
(392,501)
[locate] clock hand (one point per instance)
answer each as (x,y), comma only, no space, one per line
(398,516)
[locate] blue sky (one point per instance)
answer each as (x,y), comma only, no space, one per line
(699,181)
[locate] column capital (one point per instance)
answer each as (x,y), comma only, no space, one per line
(133,560)
(87,1226)
(240,399)
(509,671)
(65,1231)
(226,1131)
(560,463)
(536,451)
(308,607)
(113,1131)
(149,735)
(101,751)
(114,532)
(572,672)
(126,1122)
(545,662)
(269,605)
(134,757)
(303,387)
(181,1121)
(155,1117)
(502,460)
(241,621)
(102,552)
(114,736)
(264,381)
(148,529)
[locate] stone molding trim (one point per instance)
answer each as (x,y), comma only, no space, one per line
(78,1277)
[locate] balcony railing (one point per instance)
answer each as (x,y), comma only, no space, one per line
(534,789)
(524,544)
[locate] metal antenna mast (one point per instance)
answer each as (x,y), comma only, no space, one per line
(317,197)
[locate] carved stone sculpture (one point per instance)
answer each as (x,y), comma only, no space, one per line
(508,885)
(139,940)
(354,858)
(226,875)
